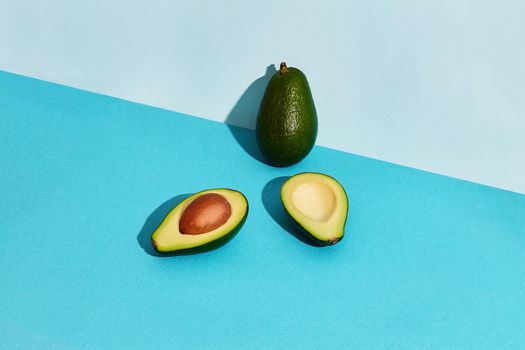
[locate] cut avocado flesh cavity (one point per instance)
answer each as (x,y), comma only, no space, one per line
(318,204)
(202,222)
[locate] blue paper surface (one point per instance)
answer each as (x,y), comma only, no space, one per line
(427,261)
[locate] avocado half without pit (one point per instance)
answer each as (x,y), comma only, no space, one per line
(318,205)
(201,222)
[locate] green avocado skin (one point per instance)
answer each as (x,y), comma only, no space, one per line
(287,123)
(315,240)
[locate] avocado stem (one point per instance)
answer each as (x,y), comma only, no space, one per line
(283,69)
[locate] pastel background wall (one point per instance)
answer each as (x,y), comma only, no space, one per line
(437,85)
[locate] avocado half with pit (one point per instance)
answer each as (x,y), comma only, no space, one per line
(202,222)
(318,205)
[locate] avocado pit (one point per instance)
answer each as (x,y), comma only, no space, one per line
(205,214)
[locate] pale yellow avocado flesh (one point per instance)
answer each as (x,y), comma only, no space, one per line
(318,203)
(168,238)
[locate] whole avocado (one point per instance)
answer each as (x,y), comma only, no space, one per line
(287,123)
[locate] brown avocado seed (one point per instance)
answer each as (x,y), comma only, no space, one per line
(205,214)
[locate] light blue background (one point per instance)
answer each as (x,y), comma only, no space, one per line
(436,84)
(427,261)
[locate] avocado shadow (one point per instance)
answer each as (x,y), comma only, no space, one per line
(271,198)
(153,221)
(243,117)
